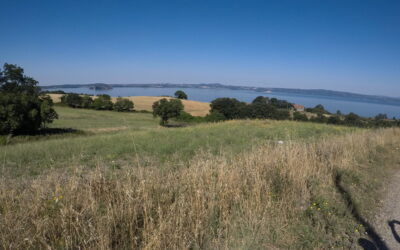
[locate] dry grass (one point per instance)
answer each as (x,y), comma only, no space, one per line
(194,108)
(252,200)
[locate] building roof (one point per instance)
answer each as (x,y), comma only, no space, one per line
(298,106)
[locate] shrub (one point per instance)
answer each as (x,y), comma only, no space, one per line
(167,109)
(123,105)
(297,116)
(214,116)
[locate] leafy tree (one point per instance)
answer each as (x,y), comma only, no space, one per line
(261,99)
(123,105)
(297,116)
(167,109)
(73,100)
(229,107)
(47,113)
(103,102)
(181,95)
(86,102)
(21,107)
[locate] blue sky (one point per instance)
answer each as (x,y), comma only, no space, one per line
(330,44)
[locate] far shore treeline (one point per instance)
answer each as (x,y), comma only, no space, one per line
(24,108)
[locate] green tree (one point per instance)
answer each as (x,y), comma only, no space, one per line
(167,109)
(73,100)
(102,102)
(20,102)
(86,102)
(123,105)
(229,107)
(181,95)
(47,113)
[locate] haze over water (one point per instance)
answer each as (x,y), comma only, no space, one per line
(207,95)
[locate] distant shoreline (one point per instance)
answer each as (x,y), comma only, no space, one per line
(310,92)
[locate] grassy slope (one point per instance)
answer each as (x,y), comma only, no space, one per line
(227,185)
(102,121)
(135,139)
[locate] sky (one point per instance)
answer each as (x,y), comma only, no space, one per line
(345,45)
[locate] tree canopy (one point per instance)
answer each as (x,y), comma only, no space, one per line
(181,95)
(22,108)
(167,109)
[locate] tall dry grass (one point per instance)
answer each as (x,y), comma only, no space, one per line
(251,200)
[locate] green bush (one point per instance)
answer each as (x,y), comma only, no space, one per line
(102,102)
(123,105)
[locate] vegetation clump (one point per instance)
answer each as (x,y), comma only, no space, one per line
(181,95)
(22,108)
(167,109)
(123,105)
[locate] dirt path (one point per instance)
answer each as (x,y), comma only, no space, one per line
(387,222)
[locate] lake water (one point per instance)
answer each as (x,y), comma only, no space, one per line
(207,95)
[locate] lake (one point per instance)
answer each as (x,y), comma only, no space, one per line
(207,95)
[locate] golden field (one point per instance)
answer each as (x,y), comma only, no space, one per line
(194,108)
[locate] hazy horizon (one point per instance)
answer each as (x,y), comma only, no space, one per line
(350,46)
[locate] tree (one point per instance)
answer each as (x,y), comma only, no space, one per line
(167,109)
(21,107)
(123,105)
(47,113)
(229,107)
(181,95)
(73,100)
(103,102)
(86,102)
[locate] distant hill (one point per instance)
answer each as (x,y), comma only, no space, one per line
(309,92)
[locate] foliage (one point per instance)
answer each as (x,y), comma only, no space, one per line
(167,109)
(123,105)
(102,102)
(21,107)
(181,95)
(72,99)
(86,101)
(318,109)
(230,108)
(214,116)
(298,116)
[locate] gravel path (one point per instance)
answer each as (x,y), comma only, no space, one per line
(387,222)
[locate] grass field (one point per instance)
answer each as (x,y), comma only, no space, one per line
(227,185)
(194,108)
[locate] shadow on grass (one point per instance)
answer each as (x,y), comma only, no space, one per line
(374,241)
(42,134)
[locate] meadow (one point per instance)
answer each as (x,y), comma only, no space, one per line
(127,183)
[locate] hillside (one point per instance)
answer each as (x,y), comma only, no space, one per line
(125,182)
(194,108)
